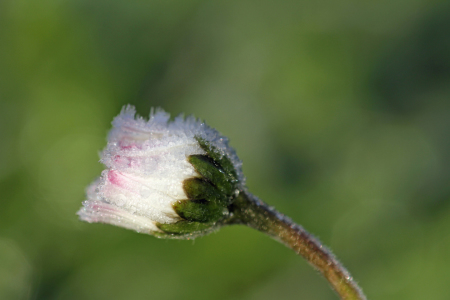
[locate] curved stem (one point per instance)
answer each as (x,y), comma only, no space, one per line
(250,211)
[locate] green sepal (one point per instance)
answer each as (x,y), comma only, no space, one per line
(212,172)
(222,160)
(199,189)
(202,211)
(184,227)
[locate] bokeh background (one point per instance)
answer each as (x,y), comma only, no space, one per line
(340,111)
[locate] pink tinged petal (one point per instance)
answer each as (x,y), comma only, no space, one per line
(138,196)
(137,185)
(101,212)
(115,178)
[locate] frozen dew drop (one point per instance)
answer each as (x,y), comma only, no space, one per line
(145,192)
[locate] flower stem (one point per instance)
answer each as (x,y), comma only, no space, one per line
(250,211)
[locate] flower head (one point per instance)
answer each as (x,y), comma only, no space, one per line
(169,179)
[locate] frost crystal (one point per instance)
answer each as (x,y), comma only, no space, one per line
(146,166)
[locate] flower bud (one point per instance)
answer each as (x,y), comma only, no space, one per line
(170,179)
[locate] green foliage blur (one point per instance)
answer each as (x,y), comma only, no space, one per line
(340,111)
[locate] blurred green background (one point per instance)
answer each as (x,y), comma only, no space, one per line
(340,111)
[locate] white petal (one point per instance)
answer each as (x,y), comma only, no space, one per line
(97,211)
(127,193)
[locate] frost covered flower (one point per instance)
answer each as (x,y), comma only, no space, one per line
(169,179)
(180,179)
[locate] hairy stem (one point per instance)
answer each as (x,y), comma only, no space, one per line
(250,211)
